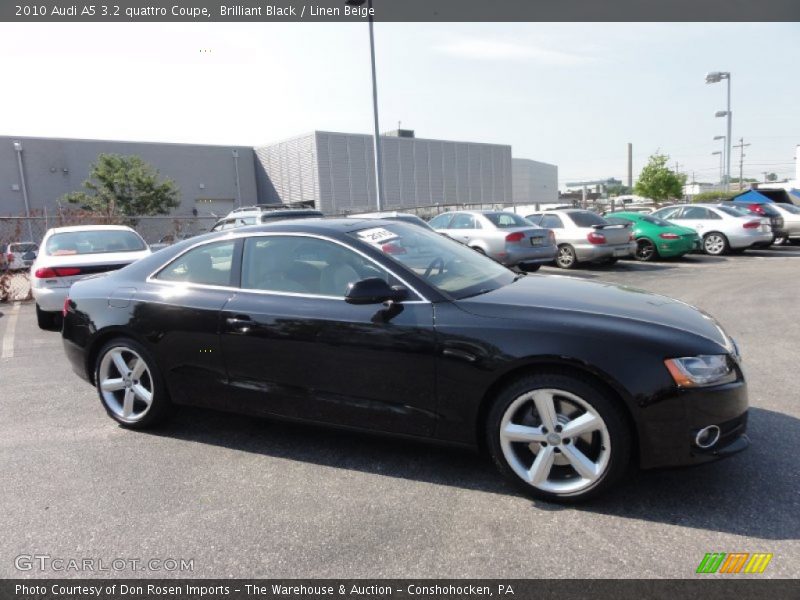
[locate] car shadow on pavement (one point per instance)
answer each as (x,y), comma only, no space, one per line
(754,494)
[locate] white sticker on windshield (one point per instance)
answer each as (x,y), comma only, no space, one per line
(376,235)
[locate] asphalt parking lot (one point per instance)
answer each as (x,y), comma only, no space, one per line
(245,497)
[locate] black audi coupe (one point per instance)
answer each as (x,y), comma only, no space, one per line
(385,326)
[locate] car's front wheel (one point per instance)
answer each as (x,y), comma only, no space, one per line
(559,437)
(130,385)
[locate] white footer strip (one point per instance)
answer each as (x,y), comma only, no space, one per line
(8,338)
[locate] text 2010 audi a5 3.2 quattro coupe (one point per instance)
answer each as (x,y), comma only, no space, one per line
(388,327)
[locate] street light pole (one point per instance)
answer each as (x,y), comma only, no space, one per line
(377,138)
(716,77)
(728,141)
(724,153)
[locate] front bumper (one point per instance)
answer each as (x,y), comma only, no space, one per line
(670,425)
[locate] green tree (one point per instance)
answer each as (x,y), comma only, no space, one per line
(713,196)
(658,182)
(772,177)
(121,187)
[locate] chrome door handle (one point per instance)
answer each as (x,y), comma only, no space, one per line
(240,323)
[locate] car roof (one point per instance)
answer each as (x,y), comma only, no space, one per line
(89,228)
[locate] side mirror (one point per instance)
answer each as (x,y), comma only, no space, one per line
(373,291)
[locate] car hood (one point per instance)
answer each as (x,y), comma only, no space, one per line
(572,295)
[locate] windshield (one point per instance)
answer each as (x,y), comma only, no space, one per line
(505,220)
(735,211)
(98,241)
(445,264)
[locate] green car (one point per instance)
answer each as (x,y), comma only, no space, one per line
(656,237)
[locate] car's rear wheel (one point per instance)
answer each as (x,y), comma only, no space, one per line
(130,385)
(715,244)
(566,258)
(781,240)
(49,321)
(558,437)
(645,250)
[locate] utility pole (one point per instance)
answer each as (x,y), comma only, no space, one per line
(677,167)
(765,173)
(741,145)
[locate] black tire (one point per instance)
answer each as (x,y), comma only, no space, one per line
(48,321)
(566,258)
(529,268)
(608,408)
(645,250)
(781,240)
(160,407)
(715,244)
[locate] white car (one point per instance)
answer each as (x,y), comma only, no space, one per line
(17,256)
(68,254)
(722,228)
(791,222)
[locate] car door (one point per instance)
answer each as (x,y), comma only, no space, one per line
(464,227)
(696,217)
(294,347)
(178,313)
(553,222)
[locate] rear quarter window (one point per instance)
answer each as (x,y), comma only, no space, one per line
(587,219)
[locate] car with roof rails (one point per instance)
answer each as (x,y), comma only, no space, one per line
(258,215)
(584,236)
(721,227)
(456,349)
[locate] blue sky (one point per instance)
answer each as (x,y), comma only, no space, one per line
(568,94)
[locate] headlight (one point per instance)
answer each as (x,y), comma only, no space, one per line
(699,371)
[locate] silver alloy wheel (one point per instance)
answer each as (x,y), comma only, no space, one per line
(565,257)
(125,383)
(555,441)
(714,243)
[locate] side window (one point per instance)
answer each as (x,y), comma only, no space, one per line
(441,221)
(304,265)
(463,221)
(535,219)
(552,222)
(209,265)
(710,214)
(667,214)
(695,212)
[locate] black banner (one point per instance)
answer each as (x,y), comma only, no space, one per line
(713,588)
(401,10)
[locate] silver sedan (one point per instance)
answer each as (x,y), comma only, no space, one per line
(584,236)
(504,236)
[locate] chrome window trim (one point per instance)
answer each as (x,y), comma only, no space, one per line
(236,236)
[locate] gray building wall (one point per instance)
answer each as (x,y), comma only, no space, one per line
(534,182)
(337,169)
(54,167)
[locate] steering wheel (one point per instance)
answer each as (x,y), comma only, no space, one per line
(436,262)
